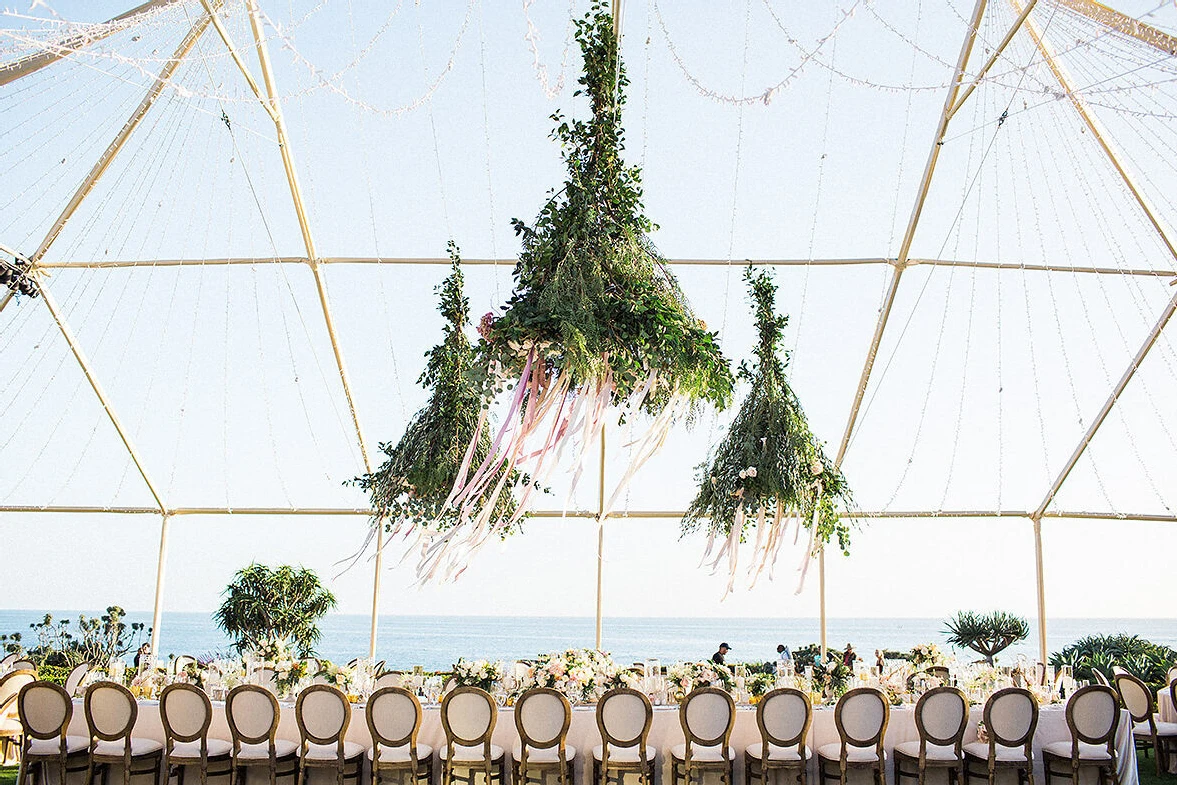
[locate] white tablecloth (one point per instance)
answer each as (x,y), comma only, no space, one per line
(665,732)
(1167,713)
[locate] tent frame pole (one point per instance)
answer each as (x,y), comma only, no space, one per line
(600,540)
(1040,575)
(950,101)
(1163,231)
(273,107)
(161,566)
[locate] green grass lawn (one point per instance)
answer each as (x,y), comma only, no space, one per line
(1145,767)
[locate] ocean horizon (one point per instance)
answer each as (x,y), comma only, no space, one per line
(436,642)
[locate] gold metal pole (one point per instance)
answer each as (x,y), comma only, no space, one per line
(23,66)
(275,111)
(1163,230)
(112,150)
(84,362)
(600,539)
(993,57)
(909,235)
(157,613)
(821,591)
(1042,653)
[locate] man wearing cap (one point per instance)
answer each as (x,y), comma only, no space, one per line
(717,657)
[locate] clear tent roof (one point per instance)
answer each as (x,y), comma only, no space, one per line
(767,131)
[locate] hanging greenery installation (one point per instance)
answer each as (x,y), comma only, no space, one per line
(410,488)
(770,472)
(597,330)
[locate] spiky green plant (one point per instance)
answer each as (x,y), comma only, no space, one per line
(1144,659)
(988,634)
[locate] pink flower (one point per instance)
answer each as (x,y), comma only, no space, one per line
(486,324)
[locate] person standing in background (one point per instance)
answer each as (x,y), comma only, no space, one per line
(718,656)
(848,657)
(783,655)
(880,661)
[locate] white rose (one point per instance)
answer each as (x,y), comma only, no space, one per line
(751,471)
(743,474)
(816,466)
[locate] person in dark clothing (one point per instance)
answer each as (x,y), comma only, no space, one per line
(718,656)
(849,656)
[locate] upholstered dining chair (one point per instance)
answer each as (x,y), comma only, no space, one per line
(253,715)
(10,729)
(23,665)
(1093,717)
(783,717)
(1171,676)
(323,715)
(1011,716)
(861,717)
(941,716)
(45,711)
(624,717)
(390,679)
(6,662)
(111,712)
(1100,677)
(74,680)
(468,716)
(542,719)
(707,716)
(394,720)
(181,662)
(186,714)
(1148,731)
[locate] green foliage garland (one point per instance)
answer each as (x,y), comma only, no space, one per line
(591,290)
(414,482)
(769,465)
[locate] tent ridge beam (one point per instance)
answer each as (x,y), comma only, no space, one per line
(1163,231)
(578,514)
(112,150)
(30,64)
(1122,23)
(993,58)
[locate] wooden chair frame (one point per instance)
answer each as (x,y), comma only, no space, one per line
(62,757)
(1024,768)
(341,762)
(268,738)
(171,735)
(844,763)
(452,739)
(685,768)
(643,767)
(104,762)
(562,766)
(421,770)
(8,742)
(759,768)
(956,741)
(1159,744)
(1106,767)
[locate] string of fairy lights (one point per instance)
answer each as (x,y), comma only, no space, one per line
(1018,100)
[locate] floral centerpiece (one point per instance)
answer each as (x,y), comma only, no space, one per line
(832,677)
(683,677)
(278,655)
(340,676)
(149,683)
(581,675)
(927,655)
(410,490)
(484,674)
(597,330)
(770,473)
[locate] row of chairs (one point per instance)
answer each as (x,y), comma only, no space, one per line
(1149,732)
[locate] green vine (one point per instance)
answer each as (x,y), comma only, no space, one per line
(415,480)
(592,294)
(769,456)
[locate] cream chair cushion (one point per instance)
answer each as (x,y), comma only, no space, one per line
(775,752)
(401,754)
(331,752)
(53,746)
(139,747)
(253,752)
(701,754)
(545,755)
(1163,728)
(934,751)
(833,751)
(979,749)
(1086,751)
(185,750)
(470,754)
(624,754)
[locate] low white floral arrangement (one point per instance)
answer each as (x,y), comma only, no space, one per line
(686,676)
(581,675)
(485,674)
(927,655)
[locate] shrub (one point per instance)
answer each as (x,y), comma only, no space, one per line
(264,604)
(95,640)
(988,634)
(1145,660)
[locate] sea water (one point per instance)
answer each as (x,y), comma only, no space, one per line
(436,642)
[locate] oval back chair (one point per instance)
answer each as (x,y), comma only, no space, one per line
(707,716)
(1147,731)
(45,711)
(542,718)
(468,716)
(1011,716)
(323,715)
(394,720)
(941,716)
(861,717)
(783,717)
(1093,718)
(624,717)
(111,712)
(186,714)
(253,715)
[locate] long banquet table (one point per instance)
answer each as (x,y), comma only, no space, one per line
(665,732)
(1168,713)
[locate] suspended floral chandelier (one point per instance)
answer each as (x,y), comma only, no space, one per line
(596,331)
(770,472)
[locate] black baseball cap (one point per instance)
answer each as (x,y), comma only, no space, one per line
(725,646)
